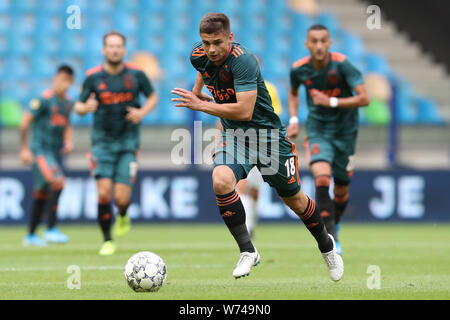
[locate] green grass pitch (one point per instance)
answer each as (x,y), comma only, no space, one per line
(413,259)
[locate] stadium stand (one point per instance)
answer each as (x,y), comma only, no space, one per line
(34,40)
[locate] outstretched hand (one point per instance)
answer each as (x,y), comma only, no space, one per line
(187,99)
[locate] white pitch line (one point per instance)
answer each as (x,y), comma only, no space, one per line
(25,269)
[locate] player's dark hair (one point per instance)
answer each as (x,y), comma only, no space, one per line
(64,68)
(317,27)
(114,33)
(214,22)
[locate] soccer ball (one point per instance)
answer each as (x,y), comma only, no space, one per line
(145,271)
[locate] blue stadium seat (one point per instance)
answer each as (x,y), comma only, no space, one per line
(377,63)
(427,111)
(152,5)
(125,22)
(72,42)
(47,43)
(352,46)
(300,24)
(329,20)
(43,65)
(17,66)
(81,121)
(23,5)
(100,22)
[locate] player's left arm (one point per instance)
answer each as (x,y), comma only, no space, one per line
(136,115)
(68,139)
(361,99)
(355,80)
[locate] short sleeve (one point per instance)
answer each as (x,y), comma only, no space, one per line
(145,86)
(245,73)
(294,79)
(38,106)
(352,75)
(198,55)
(86,89)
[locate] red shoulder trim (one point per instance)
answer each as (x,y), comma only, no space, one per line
(301,62)
(131,65)
(94,70)
(339,57)
(47,94)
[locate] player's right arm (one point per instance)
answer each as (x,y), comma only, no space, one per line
(198,86)
(87,102)
(26,156)
(293,128)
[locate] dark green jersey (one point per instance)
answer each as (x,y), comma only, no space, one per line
(50,118)
(239,72)
(115,93)
(337,79)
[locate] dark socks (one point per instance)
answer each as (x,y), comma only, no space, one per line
(325,203)
(104,218)
(40,199)
(54,197)
(313,221)
(233,214)
(340,203)
(123,211)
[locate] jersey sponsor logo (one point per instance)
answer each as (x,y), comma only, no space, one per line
(292,180)
(222,94)
(128,81)
(336,92)
(109,97)
(102,86)
(57,119)
(224,75)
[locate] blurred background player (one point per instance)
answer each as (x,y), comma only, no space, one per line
(332,123)
(233,76)
(248,189)
(112,91)
(50,139)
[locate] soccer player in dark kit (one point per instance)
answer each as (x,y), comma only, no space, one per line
(112,91)
(232,74)
(51,138)
(332,123)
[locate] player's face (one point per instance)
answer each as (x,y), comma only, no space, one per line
(62,82)
(217,46)
(114,49)
(318,42)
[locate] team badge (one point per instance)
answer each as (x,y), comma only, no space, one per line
(224,75)
(332,77)
(35,104)
(128,81)
(315,148)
